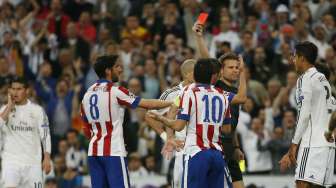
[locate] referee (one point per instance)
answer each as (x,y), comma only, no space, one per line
(229,76)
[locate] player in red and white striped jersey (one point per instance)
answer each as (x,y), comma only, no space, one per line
(102,110)
(205,111)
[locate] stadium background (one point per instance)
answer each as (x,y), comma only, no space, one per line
(54,44)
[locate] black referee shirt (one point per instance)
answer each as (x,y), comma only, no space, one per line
(227,141)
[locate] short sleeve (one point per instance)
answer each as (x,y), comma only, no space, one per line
(227,116)
(126,98)
(229,96)
(185,106)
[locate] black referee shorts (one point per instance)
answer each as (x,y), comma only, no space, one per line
(233,165)
(234,169)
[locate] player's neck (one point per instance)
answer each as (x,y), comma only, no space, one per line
(185,83)
(227,82)
(306,67)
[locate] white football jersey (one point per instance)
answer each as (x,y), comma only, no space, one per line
(315,106)
(170,95)
(25,131)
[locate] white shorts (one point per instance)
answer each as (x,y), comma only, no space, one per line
(178,171)
(315,165)
(22,176)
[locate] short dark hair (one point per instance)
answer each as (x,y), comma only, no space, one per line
(227,56)
(248,32)
(291,110)
(324,69)
(20,80)
(227,44)
(192,50)
(73,131)
(308,50)
(203,70)
(50,181)
(216,66)
(104,62)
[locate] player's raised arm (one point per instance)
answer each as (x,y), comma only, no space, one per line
(241,97)
(7,110)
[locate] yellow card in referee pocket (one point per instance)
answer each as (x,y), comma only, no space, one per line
(242,165)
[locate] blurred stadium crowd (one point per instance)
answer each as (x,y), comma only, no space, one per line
(54,44)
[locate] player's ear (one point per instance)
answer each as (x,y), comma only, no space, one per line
(28,91)
(108,72)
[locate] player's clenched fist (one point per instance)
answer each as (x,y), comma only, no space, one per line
(46,165)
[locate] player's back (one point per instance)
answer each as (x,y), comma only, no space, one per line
(102,109)
(208,109)
(314,84)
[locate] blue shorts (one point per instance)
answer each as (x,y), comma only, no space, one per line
(206,169)
(108,172)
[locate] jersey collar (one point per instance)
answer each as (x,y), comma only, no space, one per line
(203,85)
(103,81)
(310,69)
(181,86)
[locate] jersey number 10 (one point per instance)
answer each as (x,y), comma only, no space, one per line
(37,185)
(216,117)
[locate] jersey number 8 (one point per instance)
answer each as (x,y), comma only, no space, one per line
(94,111)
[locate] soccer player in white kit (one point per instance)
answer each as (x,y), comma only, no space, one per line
(315,158)
(171,94)
(102,109)
(26,129)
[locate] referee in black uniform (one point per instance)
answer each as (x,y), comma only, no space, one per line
(229,76)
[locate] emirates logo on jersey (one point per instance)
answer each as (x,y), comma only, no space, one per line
(22,128)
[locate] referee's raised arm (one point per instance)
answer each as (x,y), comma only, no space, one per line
(241,97)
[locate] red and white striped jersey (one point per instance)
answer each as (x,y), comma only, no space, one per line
(102,109)
(206,109)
